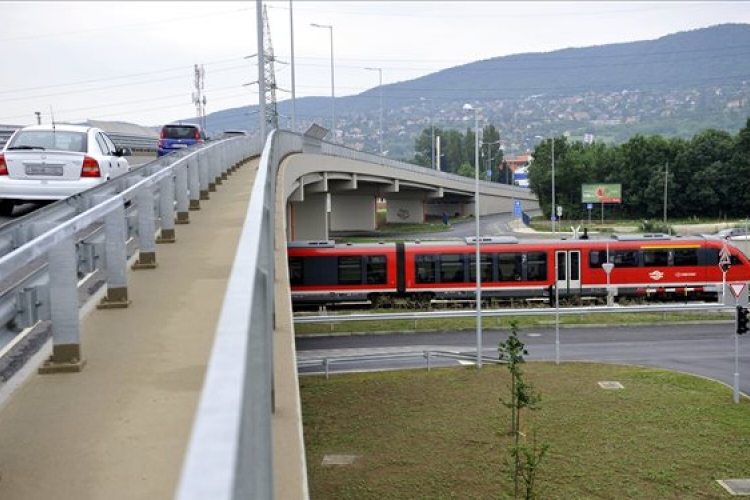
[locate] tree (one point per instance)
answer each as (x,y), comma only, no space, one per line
(522,396)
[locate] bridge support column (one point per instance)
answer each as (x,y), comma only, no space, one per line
(115,249)
(308,219)
(66,332)
(407,210)
(351,212)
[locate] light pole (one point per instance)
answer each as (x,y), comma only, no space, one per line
(333,88)
(380,88)
(432,133)
(553,216)
(294,101)
(477,262)
(489,154)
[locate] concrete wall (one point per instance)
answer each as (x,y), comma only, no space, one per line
(353,213)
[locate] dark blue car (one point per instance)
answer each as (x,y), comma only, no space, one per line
(177,136)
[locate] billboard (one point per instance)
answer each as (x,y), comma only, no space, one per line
(601,193)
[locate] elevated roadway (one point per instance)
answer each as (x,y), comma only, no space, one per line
(121,427)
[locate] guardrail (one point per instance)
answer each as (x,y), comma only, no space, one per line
(44,255)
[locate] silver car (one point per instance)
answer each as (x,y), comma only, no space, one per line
(52,162)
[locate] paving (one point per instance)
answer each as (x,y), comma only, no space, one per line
(119,429)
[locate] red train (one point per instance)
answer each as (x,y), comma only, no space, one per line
(650,265)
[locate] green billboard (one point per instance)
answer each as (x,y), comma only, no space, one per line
(601,193)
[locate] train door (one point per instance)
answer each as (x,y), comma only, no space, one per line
(568,265)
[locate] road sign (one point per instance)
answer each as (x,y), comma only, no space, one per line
(737,289)
(724,260)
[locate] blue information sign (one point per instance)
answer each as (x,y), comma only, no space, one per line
(517,208)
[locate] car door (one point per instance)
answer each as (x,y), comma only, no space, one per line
(106,162)
(119,163)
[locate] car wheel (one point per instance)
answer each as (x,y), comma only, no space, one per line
(6,208)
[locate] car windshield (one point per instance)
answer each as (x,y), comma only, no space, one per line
(49,139)
(179,132)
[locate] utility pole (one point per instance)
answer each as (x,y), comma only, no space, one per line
(666,180)
(198,98)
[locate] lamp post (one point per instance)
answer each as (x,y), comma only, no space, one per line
(333,88)
(294,100)
(553,212)
(380,88)
(432,132)
(489,154)
(478,265)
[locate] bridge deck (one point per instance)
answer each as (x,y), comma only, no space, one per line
(119,429)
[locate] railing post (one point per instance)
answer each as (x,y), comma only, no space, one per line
(194,182)
(166,210)
(203,164)
(26,307)
(116,255)
(183,199)
(63,295)
(146,230)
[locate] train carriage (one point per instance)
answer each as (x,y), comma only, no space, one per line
(642,265)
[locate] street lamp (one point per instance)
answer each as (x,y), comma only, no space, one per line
(478,266)
(489,154)
(554,207)
(380,88)
(333,91)
(432,134)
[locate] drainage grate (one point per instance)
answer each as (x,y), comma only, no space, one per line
(736,487)
(339,459)
(611,385)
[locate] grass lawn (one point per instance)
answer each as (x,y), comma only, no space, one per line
(443,434)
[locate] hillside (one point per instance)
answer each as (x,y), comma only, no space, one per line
(673,86)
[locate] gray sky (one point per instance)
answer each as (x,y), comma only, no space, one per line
(134,61)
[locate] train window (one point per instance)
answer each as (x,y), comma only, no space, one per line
(734,260)
(685,256)
(510,266)
(452,268)
(655,257)
(486,263)
(625,258)
(296,271)
(376,274)
(350,270)
(597,258)
(536,266)
(425,267)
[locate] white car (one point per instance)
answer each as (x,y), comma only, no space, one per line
(52,162)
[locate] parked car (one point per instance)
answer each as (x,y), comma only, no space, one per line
(732,233)
(175,136)
(54,161)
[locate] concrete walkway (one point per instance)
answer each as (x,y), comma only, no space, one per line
(120,428)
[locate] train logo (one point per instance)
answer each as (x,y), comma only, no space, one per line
(656,275)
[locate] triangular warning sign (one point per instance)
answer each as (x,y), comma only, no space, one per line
(737,289)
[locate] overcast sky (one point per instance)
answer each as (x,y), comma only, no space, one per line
(134,61)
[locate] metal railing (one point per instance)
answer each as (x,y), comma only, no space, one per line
(47,254)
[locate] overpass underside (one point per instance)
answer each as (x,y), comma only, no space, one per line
(328,194)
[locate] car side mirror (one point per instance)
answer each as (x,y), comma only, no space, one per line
(123,152)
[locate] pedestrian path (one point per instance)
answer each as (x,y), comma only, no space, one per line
(119,429)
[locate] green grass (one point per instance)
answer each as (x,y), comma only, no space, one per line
(443,434)
(451,324)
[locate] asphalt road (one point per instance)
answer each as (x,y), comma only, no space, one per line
(707,350)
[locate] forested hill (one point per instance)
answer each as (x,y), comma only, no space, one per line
(686,60)
(676,85)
